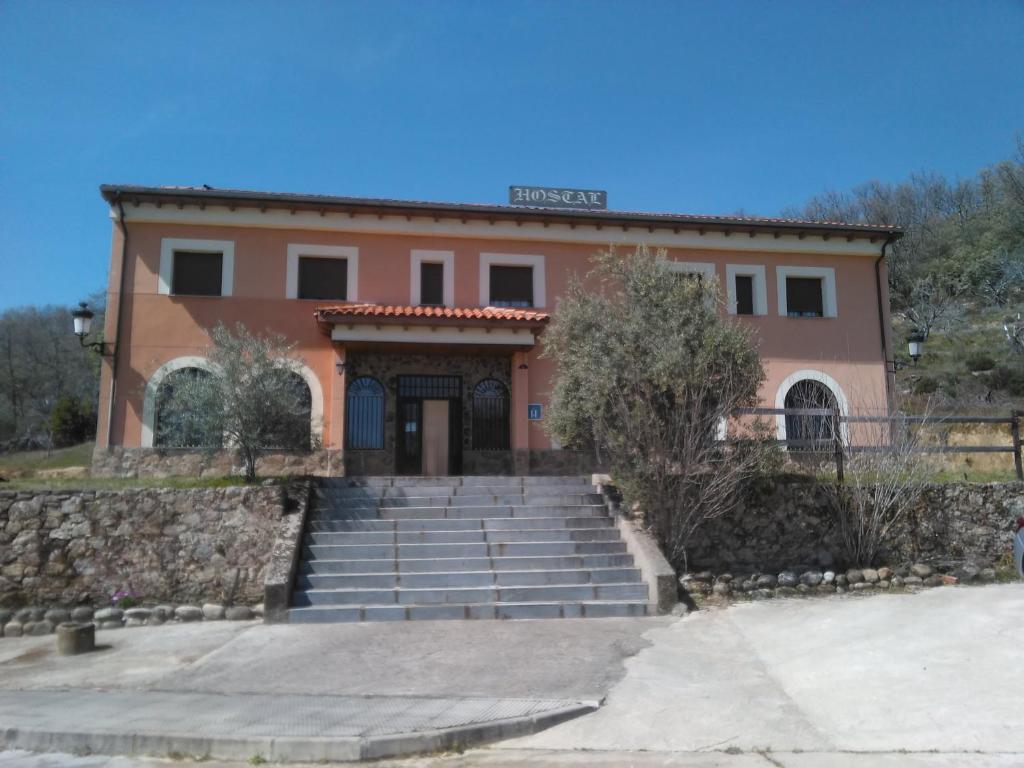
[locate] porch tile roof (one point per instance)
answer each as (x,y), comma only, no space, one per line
(476,315)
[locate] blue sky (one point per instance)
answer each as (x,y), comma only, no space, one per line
(700,107)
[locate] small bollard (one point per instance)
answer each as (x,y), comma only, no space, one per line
(73,638)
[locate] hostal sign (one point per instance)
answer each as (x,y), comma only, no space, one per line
(556,197)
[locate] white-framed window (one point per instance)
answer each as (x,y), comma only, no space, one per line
(322,272)
(511,280)
(746,290)
(432,278)
(806,291)
(196,267)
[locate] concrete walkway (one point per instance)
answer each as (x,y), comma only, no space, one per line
(936,672)
(330,692)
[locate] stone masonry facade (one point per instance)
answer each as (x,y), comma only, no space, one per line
(785,525)
(182,545)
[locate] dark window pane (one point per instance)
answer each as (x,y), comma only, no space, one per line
(511,286)
(744,295)
(807,432)
(490,416)
(803,297)
(323,278)
(196,274)
(364,414)
(432,284)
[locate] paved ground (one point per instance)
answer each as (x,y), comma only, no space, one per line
(937,671)
(564,659)
(312,691)
(932,679)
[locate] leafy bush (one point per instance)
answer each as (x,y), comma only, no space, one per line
(648,375)
(980,361)
(72,421)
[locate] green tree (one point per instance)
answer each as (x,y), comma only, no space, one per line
(252,398)
(648,373)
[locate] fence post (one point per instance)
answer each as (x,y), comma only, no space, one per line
(837,445)
(1015,431)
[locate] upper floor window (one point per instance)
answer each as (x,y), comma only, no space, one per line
(432,278)
(804,297)
(745,289)
(431,284)
(321,278)
(197,274)
(322,272)
(806,291)
(511,286)
(510,280)
(196,267)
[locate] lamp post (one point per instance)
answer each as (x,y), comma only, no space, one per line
(82,318)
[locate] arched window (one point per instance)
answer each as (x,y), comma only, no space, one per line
(175,426)
(364,414)
(807,394)
(294,432)
(490,416)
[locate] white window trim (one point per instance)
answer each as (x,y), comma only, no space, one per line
(295,250)
(828,287)
(488,260)
(756,271)
(153,387)
(812,375)
(419,257)
(168,245)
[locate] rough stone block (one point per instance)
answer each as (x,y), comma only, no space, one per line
(188,613)
(13,629)
(213,612)
(82,613)
(108,614)
(238,613)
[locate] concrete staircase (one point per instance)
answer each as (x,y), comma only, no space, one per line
(395,548)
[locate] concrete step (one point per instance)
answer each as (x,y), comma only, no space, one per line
(453,481)
(419,551)
(437,513)
(332,525)
(467,595)
(478,536)
(475,500)
(468,579)
(356,494)
(553,610)
(453,564)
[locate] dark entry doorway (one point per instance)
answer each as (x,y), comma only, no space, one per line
(419,396)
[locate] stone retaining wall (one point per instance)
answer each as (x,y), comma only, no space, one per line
(191,462)
(67,548)
(790,523)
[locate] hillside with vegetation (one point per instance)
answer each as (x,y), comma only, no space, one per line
(956,278)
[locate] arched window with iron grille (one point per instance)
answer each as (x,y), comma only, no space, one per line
(175,426)
(490,416)
(364,414)
(810,432)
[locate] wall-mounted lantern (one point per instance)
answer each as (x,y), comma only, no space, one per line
(83,327)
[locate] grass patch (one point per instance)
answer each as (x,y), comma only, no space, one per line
(120,483)
(59,458)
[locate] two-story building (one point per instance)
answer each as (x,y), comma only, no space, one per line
(419,325)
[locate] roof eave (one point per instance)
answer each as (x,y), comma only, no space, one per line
(465,212)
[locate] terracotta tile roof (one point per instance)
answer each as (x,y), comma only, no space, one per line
(485,315)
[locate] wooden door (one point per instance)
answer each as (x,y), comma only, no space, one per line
(435,437)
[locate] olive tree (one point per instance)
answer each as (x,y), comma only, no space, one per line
(250,397)
(649,373)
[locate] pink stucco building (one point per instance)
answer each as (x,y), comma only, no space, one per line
(419,325)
